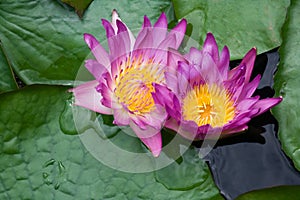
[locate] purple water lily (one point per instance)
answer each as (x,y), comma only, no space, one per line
(124,77)
(204,98)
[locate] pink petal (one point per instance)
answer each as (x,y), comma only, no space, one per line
(167,43)
(194,56)
(208,132)
(95,68)
(209,70)
(172,82)
(110,31)
(183,84)
(99,52)
(239,121)
(265,104)
(160,30)
(109,83)
(172,124)
(248,61)
(188,129)
(250,88)
(246,104)
(147,22)
(119,47)
(172,62)
(234,130)
(121,117)
(210,46)
(108,97)
(174,110)
(114,18)
(179,31)
(162,95)
(87,97)
(161,52)
(162,22)
(123,27)
(150,137)
(156,117)
(223,64)
(144,39)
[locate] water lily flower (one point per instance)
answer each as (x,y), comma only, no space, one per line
(204,98)
(124,76)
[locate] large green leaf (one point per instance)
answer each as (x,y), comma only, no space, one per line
(287,85)
(7,81)
(79,5)
(44,39)
(240,25)
(38,161)
(275,193)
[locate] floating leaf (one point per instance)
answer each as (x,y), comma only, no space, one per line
(287,84)
(38,161)
(7,81)
(240,25)
(44,39)
(79,5)
(278,193)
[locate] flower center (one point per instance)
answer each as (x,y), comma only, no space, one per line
(208,105)
(134,84)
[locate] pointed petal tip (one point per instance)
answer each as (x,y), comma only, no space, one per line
(115,12)
(86,35)
(163,14)
(162,21)
(183,23)
(147,22)
(209,34)
(225,48)
(90,40)
(121,26)
(254,50)
(251,52)
(210,38)
(156,153)
(181,26)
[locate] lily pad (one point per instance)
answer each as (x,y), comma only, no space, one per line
(278,193)
(240,25)
(39,161)
(44,40)
(7,81)
(174,177)
(287,85)
(79,5)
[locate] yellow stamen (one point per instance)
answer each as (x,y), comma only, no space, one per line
(134,84)
(208,105)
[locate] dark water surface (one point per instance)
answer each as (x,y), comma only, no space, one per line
(254,159)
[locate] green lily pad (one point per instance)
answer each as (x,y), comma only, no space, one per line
(240,25)
(39,161)
(276,193)
(44,40)
(287,85)
(79,5)
(174,176)
(7,81)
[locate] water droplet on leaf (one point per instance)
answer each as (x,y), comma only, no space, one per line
(49,162)
(66,120)
(45,175)
(61,168)
(56,186)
